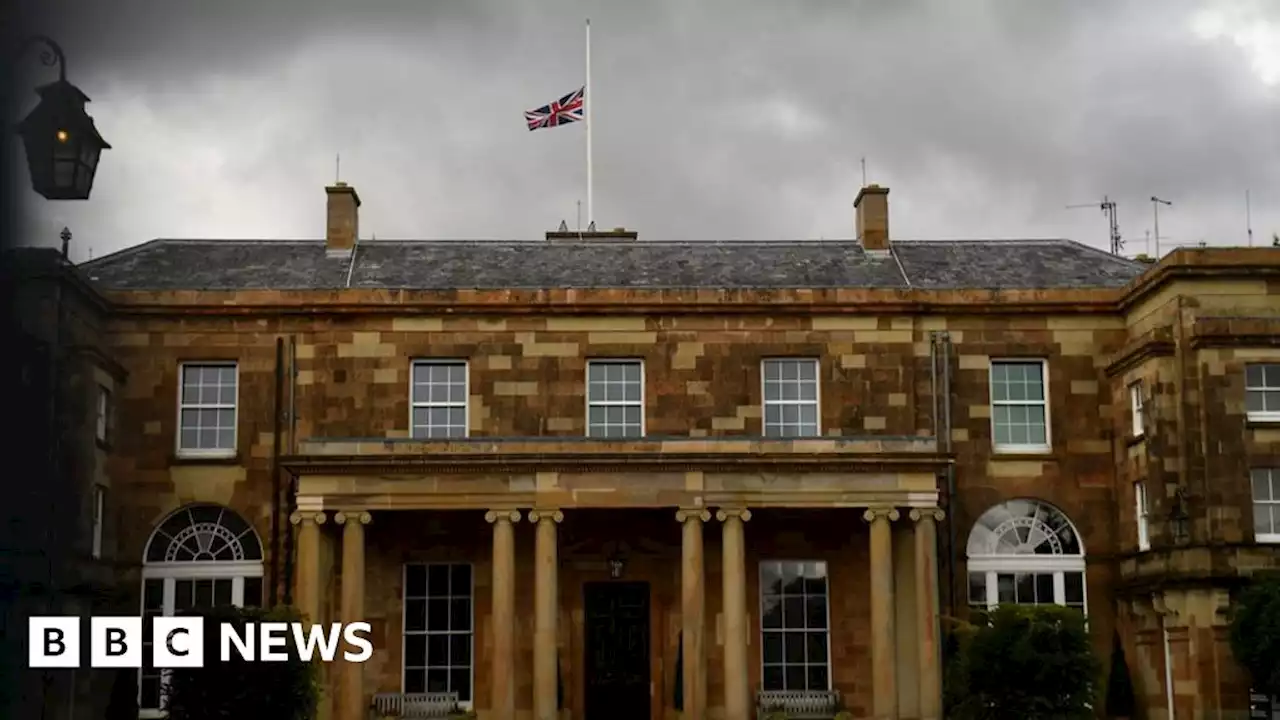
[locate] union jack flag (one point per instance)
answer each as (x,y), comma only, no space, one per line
(567,109)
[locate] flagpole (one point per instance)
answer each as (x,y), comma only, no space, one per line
(590,100)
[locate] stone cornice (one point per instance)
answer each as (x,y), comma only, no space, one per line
(1199,263)
(672,301)
(101,359)
(464,464)
(1231,332)
(1156,343)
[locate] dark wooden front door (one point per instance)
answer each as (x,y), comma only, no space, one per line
(617,640)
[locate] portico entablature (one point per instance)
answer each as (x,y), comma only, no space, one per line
(621,489)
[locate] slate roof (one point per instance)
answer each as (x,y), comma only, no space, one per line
(493,264)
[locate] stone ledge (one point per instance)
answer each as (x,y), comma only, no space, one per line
(565,446)
(1214,332)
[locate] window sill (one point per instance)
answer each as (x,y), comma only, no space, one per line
(220,459)
(1267,538)
(1038,452)
(1262,420)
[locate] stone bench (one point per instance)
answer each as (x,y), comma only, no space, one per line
(415,705)
(798,704)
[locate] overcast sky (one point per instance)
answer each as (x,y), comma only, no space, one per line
(713,119)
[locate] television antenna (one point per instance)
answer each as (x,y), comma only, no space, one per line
(1108,207)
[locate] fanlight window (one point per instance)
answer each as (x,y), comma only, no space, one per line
(201,556)
(204,533)
(1025,552)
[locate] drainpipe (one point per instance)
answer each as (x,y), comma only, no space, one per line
(291,504)
(951,472)
(933,379)
(276,427)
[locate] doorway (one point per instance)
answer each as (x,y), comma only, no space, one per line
(617,650)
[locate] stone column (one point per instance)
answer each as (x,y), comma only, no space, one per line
(737,702)
(352,705)
(927,602)
(308,584)
(884,690)
(693,609)
(546,606)
(502,670)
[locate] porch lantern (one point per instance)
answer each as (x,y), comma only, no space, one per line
(1179,519)
(617,564)
(61,141)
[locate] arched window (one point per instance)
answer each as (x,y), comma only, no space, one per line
(201,556)
(1025,552)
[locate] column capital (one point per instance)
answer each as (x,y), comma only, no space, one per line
(876,513)
(511,516)
(554,516)
(935,514)
(724,514)
(353,516)
(687,514)
(298,516)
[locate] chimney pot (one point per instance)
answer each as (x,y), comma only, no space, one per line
(342,218)
(872,217)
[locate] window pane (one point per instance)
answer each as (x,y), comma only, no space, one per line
(816,645)
(771,611)
(1074,591)
(977,588)
(773,678)
(1254,401)
(772,648)
(1253,375)
(437,650)
(1271,401)
(1261,485)
(1005,589)
(415,681)
(415,615)
(818,677)
(438,680)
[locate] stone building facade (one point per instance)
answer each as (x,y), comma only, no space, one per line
(59,510)
(598,476)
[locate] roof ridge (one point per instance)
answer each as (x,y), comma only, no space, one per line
(117,254)
(1107,254)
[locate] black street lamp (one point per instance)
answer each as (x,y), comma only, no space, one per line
(61,140)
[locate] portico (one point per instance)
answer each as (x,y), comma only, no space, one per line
(602,536)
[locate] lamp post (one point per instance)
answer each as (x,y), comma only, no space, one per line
(62,143)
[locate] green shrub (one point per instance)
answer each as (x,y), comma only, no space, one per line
(239,689)
(1255,632)
(1022,662)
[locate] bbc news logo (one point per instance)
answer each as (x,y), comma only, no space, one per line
(179,642)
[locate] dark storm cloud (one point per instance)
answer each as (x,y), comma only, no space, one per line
(714,118)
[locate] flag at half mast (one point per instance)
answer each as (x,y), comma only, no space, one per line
(568,109)
(571,108)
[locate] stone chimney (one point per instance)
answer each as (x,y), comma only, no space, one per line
(343,218)
(872,209)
